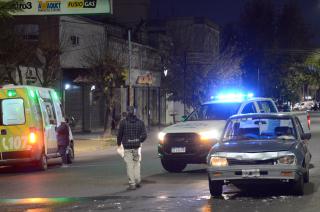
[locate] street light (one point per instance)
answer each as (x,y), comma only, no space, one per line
(165,72)
(67,86)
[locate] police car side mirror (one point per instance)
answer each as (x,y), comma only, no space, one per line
(184,117)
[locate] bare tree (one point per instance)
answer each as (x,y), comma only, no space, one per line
(8,7)
(196,67)
(14,54)
(106,73)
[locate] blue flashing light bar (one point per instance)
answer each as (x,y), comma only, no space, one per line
(232,96)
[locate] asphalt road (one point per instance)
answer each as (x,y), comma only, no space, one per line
(97,182)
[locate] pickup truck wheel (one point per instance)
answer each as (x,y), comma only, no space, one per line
(173,166)
(298,186)
(215,187)
(42,163)
(70,155)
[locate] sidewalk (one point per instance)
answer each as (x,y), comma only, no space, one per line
(95,141)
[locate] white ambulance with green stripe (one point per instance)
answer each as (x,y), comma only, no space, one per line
(28,119)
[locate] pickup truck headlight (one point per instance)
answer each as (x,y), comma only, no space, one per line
(218,161)
(287,160)
(213,134)
(161,136)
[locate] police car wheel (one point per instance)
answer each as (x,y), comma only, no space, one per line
(173,166)
(42,163)
(215,188)
(298,186)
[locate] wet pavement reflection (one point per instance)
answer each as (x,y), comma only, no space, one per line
(232,200)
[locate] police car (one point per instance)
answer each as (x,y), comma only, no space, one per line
(189,142)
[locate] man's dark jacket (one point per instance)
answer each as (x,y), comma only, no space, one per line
(132,132)
(63,134)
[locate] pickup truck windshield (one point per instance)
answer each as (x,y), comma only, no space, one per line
(214,111)
(260,129)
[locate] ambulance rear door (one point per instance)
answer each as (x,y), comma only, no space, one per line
(14,116)
(49,120)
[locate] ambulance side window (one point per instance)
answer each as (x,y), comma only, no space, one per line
(12,112)
(50,112)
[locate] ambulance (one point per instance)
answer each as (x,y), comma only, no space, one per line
(28,119)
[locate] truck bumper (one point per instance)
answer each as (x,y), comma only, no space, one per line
(19,157)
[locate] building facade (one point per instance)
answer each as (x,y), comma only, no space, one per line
(192,42)
(76,38)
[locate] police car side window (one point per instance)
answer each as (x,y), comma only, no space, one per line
(249,108)
(266,107)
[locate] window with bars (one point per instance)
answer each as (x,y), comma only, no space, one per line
(29,32)
(75,40)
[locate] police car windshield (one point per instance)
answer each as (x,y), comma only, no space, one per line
(214,111)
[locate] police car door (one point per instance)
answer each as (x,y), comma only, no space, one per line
(50,122)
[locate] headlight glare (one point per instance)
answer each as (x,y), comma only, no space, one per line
(218,161)
(213,134)
(287,160)
(161,136)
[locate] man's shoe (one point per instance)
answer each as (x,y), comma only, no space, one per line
(131,187)
(138,185)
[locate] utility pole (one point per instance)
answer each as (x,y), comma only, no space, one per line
(130,66)
(184,81)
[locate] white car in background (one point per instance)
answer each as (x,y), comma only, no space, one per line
(306,105)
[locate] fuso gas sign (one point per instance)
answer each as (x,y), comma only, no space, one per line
(64,7)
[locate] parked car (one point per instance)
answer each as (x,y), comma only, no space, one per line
(261,147)
(306,105)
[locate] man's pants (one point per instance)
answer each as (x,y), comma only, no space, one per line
(63,150)
(132,159)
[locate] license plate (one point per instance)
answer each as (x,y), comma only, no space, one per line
(178,149)
(250,172)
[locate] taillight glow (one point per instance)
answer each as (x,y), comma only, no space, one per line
(32,138)
(309,120)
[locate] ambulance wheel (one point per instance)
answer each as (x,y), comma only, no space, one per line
(70,155)
(173,166)
(42,163)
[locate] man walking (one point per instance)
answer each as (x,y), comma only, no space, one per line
(131,134)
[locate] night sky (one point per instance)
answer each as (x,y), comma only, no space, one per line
(226,11)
